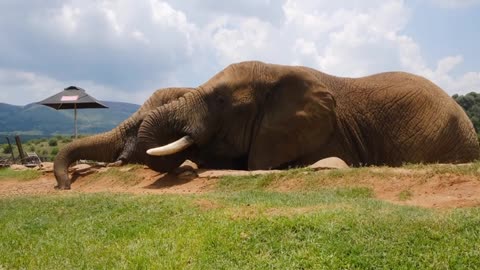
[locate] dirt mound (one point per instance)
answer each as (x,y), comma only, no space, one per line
(419,187)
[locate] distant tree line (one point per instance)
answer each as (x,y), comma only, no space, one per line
(471,104)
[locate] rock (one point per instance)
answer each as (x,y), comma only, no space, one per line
(190,164)
(81,167)
(46,167)
(187,175)
(17,167)
(329,163)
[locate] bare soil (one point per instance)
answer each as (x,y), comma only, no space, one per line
(398,185)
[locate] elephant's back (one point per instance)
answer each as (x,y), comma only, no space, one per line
(410,119)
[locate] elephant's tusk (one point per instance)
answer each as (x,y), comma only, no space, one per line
(171,148)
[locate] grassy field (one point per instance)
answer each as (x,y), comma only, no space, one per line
(46,148)
(239,225)
(27,175)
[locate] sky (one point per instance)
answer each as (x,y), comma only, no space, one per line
(123,50)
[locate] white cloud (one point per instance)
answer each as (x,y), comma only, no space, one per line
(125,49)
(68,18)
(242,42)
(455,3)
(32,87)
(35,87)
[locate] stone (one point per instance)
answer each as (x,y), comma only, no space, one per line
(81,167)
(190,164)
(329,163)
(46,167)
(187,175)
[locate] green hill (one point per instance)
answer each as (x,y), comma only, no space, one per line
(34,121)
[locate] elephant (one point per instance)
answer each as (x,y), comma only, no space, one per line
(117,146)
(253,115)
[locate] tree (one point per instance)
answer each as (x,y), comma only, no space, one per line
(471,104)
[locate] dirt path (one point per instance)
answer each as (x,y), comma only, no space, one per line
(400,186)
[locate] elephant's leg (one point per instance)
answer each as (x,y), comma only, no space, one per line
(128,153)
(117,163)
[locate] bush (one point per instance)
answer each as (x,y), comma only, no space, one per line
(53,142)
(31,148)
(66,140)
(54,151)
(6,149)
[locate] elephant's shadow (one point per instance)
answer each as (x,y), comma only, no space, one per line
(181,176)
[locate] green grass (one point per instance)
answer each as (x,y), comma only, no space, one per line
(122,175)
(46,148)
(242,229)
(405,195)
(26,175)
(242,224)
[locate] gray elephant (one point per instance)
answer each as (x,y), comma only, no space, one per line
(119,145)
(254,115)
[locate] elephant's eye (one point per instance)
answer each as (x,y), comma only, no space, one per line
(221,100)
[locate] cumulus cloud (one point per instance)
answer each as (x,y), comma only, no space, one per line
(124,49)
(455,3)
(15,84)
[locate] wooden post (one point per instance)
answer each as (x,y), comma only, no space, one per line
(11,149)
(75,119)
(20,148)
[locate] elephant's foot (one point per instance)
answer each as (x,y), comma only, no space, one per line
(117,163)
(62,187)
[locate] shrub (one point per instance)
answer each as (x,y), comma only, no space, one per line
(6,149)
(66,140)
(54,151)
(31,148)
(53,142)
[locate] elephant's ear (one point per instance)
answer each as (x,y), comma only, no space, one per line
(298,118)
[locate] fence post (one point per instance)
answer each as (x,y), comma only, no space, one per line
(20,148)
(11,148)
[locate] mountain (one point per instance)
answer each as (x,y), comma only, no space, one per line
(35,120)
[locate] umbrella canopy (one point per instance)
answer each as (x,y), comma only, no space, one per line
(72,97)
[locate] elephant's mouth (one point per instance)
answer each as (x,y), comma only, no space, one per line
(172,148)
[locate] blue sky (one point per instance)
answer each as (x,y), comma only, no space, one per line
(123,50)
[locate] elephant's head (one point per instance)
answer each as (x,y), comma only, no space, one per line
(259,115)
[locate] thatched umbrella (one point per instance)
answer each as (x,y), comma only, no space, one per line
(72,97)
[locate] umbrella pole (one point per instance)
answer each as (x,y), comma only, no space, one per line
(75,119)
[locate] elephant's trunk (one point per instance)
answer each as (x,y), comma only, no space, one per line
(173,129)
(102,147)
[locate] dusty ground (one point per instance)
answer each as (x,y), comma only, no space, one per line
(402,186)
